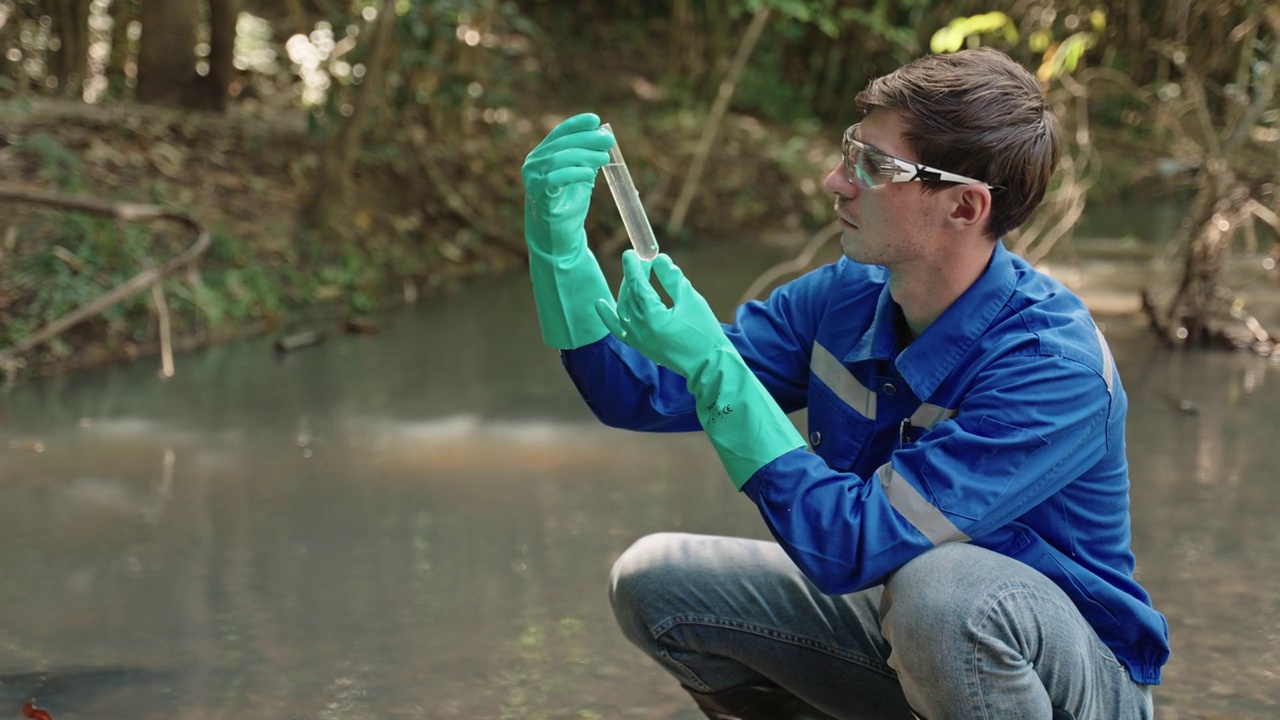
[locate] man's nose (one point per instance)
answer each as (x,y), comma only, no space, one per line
(837,184)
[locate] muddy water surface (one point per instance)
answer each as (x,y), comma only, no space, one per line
(420,525)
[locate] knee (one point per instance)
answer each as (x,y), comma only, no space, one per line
(933,599)
(641,566)
(963,596)
(638,579)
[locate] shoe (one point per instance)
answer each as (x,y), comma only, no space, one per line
(755,702)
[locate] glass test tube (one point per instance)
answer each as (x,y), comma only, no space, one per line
(624,192)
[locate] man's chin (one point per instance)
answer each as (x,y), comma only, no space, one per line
(849,247)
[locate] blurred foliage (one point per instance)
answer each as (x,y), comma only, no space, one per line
(440,119)
(59,166)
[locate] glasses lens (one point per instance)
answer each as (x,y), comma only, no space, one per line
(861,166)
(867,166)
(848,151)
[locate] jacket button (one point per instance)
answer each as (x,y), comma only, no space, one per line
(815,438)
(890,389)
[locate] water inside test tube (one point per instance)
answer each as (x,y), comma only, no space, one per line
(627,199)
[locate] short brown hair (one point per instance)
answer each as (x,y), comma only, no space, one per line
(976,113)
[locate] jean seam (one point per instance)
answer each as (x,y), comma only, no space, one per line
(670,623)
(986,616)
(691,677)
(1107,654)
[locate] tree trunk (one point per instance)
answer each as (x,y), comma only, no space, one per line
(334,181)
(70,62)
(222,44)
(684,56)
(166,52)
(298,22)
(121,67)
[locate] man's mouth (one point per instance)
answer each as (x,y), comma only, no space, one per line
(845,219)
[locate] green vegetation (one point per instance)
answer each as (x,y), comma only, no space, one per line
(348,154)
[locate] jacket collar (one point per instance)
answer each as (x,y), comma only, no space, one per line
(932,356)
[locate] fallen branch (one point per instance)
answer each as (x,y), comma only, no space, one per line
(297,341)
(126,211)
(1264,213)
(1152,310)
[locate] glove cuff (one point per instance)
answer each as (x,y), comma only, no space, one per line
(744,423)
(565,289)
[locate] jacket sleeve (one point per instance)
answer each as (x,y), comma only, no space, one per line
(624,389)
(1029,425)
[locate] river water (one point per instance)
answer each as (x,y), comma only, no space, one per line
(420,524)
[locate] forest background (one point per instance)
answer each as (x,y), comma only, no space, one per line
(179,172)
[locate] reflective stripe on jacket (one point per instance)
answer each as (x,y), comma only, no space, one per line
(1001,425)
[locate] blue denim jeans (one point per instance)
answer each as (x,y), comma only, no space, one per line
(960,632)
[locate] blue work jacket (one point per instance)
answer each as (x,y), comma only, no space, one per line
(1002,424)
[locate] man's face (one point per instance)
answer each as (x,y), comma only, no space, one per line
(888,224)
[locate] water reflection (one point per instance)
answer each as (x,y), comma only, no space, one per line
(1205,494)
(420,524)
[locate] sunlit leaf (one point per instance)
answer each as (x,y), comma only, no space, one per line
(1011,33)
(946,40)
(1039,40)
(1065,56)
(1077,45)
(1098,20)
(952,37)
(1049,66)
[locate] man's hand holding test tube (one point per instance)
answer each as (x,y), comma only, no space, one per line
(576,307)
(558,176)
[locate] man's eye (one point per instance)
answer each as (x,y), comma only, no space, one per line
(868,168)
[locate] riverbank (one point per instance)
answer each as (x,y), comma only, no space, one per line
(247,176)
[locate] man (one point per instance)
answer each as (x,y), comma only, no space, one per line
(953,542)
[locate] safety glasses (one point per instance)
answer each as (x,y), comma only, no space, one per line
(866,167)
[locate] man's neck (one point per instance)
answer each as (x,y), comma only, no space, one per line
(924,291)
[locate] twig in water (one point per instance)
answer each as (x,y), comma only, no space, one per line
(166,344)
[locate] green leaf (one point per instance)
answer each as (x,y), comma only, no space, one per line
(946,40)
(1039,40)
(952,37)
(1098,20)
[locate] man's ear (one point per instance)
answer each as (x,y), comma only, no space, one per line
(972,206)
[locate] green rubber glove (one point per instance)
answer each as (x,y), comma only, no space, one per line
(743,422)
(558,176)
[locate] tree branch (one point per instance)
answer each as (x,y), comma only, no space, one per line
(126,211)
(718,108)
